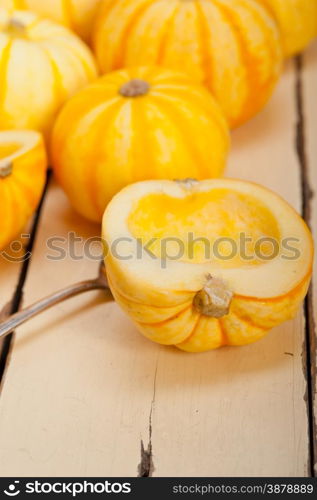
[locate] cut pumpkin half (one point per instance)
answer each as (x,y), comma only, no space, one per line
(23,165)
(204,264)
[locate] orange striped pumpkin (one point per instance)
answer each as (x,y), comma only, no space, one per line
(132,125)
(78,15)
(22,177)
(297,20)
(41,64)
(233,47)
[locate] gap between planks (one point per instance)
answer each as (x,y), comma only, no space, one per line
(15,303)
(146,466)
(310,347)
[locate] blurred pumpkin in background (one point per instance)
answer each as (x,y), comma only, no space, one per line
(77,15)
(22,177)
(233,47)
(297,20)
(136,124)
(42,64)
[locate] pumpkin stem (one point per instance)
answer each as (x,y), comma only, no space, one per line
(188,183)
(214,299)
(15,26)
(134,88)
(5,169)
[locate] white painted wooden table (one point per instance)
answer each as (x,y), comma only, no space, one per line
(83,394)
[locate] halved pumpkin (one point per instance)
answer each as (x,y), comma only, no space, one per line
(132,125)
(22,177)
(204,264)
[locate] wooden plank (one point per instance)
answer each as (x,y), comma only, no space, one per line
(83,388)
(14,262)
(309,86)
(79,383)
(241,412)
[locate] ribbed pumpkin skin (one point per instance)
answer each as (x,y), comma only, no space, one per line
(103,141)
(297,20)
(249,319)
(78,15)
(233,47)
(20,192)
(41,64)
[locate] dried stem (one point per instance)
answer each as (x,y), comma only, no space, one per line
(214,299)
(134,88)
(5,169)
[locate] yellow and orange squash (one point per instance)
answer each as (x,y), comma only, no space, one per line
(133,125)
(77,15)
(42,64)
(205,264)
(233,47)
(297,20)
(22,177)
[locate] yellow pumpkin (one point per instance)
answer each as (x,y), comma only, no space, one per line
(205,264)
(132,125)
(297,20)
(42,64)
(22,178)
(233,47)
(77,15)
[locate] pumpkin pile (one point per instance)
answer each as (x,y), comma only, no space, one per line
(176,76)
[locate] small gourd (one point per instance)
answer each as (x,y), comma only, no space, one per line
(77,15)
(201,265)
(297,20)
(42,65)
(133,125)
(233,47)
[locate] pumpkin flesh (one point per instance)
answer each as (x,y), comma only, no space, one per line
(212,215)
(8,149)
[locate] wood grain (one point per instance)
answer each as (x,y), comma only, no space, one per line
(10,272)
(309,86)
(84,391)
(14,264)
